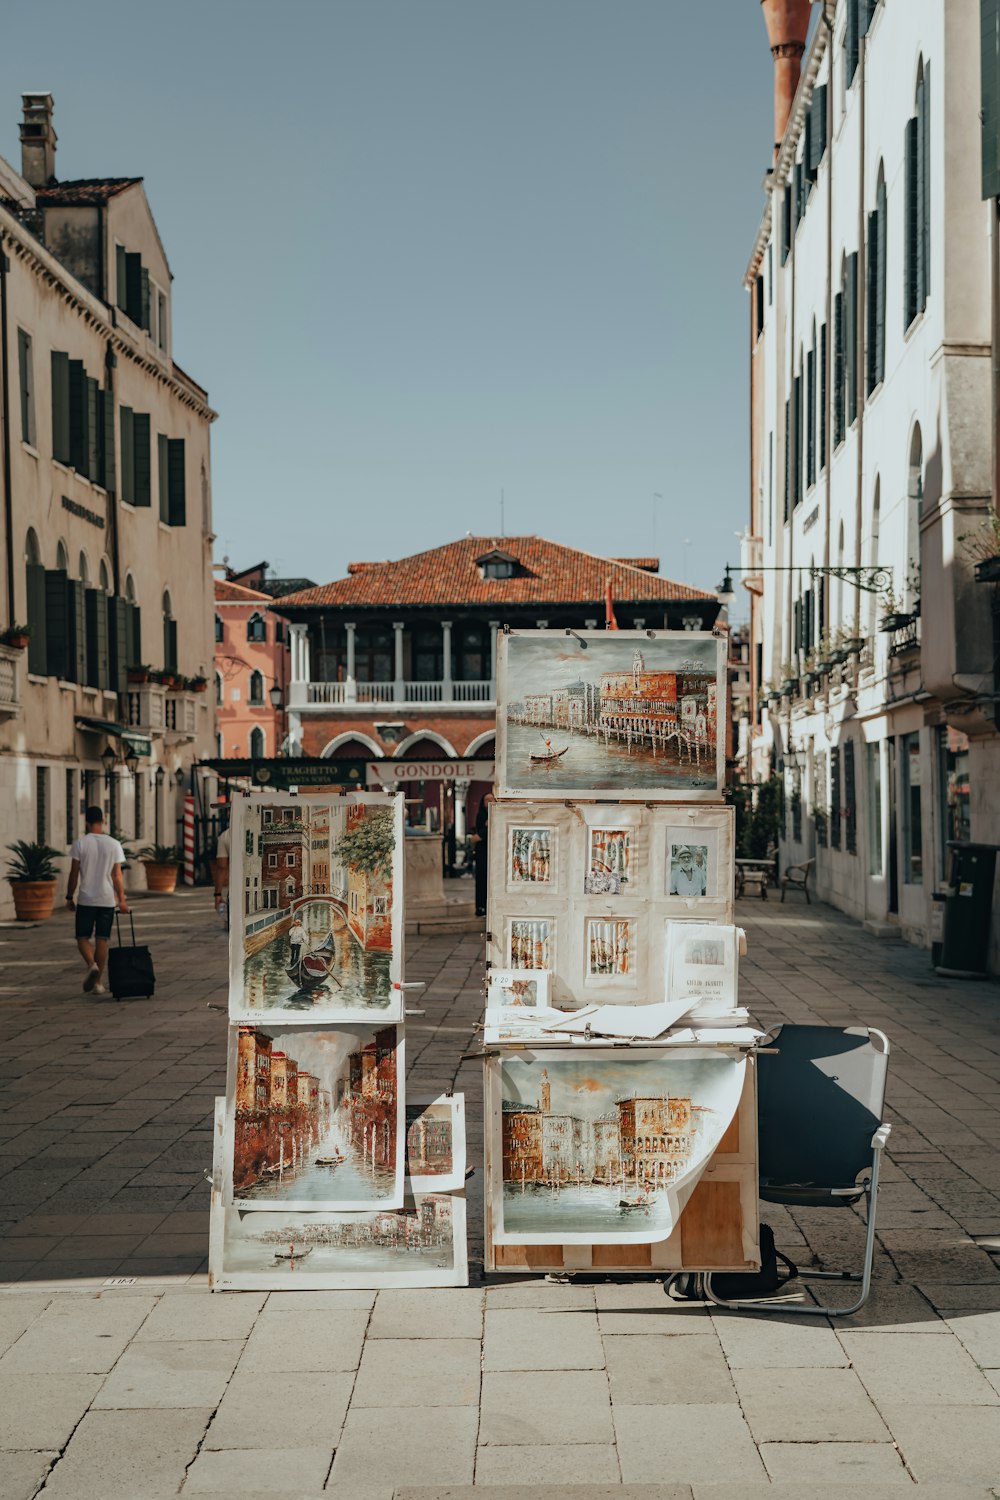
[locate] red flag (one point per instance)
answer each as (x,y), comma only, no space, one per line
(609,608)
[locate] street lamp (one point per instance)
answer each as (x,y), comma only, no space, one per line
(110,760)
(276,696)
(131,761)
(725,592)
(159,778)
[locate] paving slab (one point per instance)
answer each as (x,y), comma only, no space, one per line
(570,1464)
(541,1339)
(193,1316)
(858,1463)
(161,1374)
(306,1409)
(917,1367)
(528,1292)
(808,1406)
(548,1492)
(432,1313)
(686,1443)
(535,1407)
(959,1444)
(310,1340)
(777,1341)
(41,1412)
(646,1370)
(127,1455)
(355,1301)
(979,1333)
(75,1335)
(17,1314)
(22,1473)
(417,1445)
(418,1372)
(643,1307)
(269,1470)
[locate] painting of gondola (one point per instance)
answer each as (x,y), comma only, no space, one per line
(420,1244)
(315,1118)
(602,1148)
(616,715)
(317,908)
(435,1142)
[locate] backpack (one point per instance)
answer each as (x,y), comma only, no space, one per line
(735,1286)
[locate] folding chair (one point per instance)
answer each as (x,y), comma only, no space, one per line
(820,1100)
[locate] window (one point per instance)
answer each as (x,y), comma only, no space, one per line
(815,148)
(850,801)
(42,804)
(220,630)
(797,443)
(914,510)
(256,627)
(820,812)
(875,357)
(256,688)
(788,454)
(786,222)
(822,398)
(770,273)
(82,422)
(851,336)
(35,592)
(257,752)
(272,861)
(953,770)
(811,414)
(835,797)
(758,306)
(133,624)
(219,691)
(913,863)
(839,388)
(169,634)
(172,485)
(290,861)
(26,372)
(161,320)
(136,456)
(859,14)
(139,805)
(104,576)
(917,244)
(132,286)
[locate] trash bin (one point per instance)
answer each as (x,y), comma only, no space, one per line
(967,910)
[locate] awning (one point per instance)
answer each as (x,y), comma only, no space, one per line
(140,743)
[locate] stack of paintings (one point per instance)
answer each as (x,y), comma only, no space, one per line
(324,1177)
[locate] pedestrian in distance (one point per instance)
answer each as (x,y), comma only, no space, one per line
(97,861)
(481,844)
(222,856)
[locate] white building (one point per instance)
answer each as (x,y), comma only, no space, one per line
(105,515)
(871,450)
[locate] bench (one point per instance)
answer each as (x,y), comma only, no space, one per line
(796,878)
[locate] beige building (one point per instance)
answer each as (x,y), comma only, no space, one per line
(106,512)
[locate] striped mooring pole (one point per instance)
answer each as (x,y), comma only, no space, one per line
(189,838)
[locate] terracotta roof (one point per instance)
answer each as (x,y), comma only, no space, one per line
(647,564)
(83,191)
(238,593)
(547,573)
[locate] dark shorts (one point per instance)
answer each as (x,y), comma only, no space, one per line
(90,917)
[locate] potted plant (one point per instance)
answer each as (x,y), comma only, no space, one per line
(161,862)
(196,684)
(32,876)
(140,673)
(982,548)
(16,636)
(789,678)
(824,654)
(895,617)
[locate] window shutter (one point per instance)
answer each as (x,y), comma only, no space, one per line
(871,252)
(822,397)
(797,626)
(60,407)
(144,297)
(121,278)
(811,417)
(850,812)
(37,656)
(109,478)
(163,477)
(57,656)
(143,458)
(93,469)
(838,369)
(77,630)
(169,643)
(911,222)
(98,644)
(788,454)
(816,135)
(883,216)
(176,482)
(835,797)
(851,337)
(128,455)
(851,42)
(77,416)
(118,644)
(134,651)
(797,437)
(925,185)
(133,286)
(786,223)
(821,604)
(23,373)
(807,143)
(990,93)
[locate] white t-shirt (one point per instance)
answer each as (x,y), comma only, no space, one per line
(222,847)
(98,854)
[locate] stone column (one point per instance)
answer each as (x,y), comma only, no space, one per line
(461,799)
(351,686)
(446,683)
(399,688)
(494,627)
(298,652)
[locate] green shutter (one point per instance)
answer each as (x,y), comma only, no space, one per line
(121,278)
(134,635)
(838,369)
(93,469)
(37,658)
(98,643)
(143,458)
(128,455)
(169,643)
(883,216)
(989,17)
(108,478)
(925,185)
(871,253)
(24,378)
(822,397)
(78,427)
(816,130)
(57,650)
(163,470)
(118,653)
(60,407)
(788,455)
(811,417)
(851,337)
(807,145)
(911,224)
(144,298)
(133,286)
(77,630)
(177,485)
(851,42)
(786,223)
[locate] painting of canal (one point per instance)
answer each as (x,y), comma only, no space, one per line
(627,715)
(420,1244)
(435,1142)
(316,1117)
(316,888)
(603,1149)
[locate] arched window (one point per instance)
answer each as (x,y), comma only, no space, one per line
(84,570)
(256,687)
(917,182)
(839,610)
(256,627)
(35,581)
(219,690)
(914,510)
(875,362)
(220,630)
(257,747)
(811,411)
(169,634)
(104,576)
(62,556)
(131,596)
(839,360)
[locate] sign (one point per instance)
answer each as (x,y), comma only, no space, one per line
(76,509)
(402,772)
(279,775)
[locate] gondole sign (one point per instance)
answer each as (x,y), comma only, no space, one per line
(391,772)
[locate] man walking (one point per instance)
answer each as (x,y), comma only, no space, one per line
(97,867)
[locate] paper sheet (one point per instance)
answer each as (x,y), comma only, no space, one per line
(646,1021)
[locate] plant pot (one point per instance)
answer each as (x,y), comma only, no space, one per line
(838,658)
(198,687)
(826,665)
(854,645)
(33,899)
(161,878)
(889,623)
(988,571)
(16,642)
(134,676)
(789,686)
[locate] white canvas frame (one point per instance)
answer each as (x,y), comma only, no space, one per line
(669,1205)
(539,888)
(684,978)
(440,1182)
(245,1000)
(232,1198)
(497,981)
(585,655)
(269,1278)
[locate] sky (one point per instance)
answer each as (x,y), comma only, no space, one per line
(431,252)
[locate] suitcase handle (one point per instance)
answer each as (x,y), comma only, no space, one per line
(118,928)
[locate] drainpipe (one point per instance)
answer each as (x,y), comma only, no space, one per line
(828,15)
(110,364)
(8,496)
(859,330)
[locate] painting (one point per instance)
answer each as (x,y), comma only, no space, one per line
(609,862)
(315,1117)
(531,942)
(517,989)
(613,715)
(420,1244)
(610,945)
(702,961)
(532,857)
(435,1143)
(604,1147)
(316,889)
(692,863)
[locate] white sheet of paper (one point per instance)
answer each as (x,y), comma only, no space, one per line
(714,1036)
(627,1020)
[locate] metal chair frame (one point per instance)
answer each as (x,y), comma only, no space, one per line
(866,1188)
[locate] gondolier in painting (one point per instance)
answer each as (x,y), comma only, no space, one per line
(297,940)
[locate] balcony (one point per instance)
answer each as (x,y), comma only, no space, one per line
(154,710)
(10,686)
(399,694)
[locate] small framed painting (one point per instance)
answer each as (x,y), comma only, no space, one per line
(435,1143)
(609,862)
(517,989)
(531,942)
(611,952)
(702,961)
(693,863)
(531,858)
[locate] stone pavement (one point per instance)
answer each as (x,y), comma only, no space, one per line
(563,1392)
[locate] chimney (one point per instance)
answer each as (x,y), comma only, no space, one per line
(787,23)
(38,140)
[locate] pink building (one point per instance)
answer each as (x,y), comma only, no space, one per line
(250,660)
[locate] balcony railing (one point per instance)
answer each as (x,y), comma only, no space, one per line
(906,639)
(408,692)
(9,685)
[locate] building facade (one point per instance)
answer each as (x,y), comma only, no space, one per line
(399,658)
(872,652)
(106,520)
(251,672)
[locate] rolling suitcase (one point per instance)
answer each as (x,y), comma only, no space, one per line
(130,970)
